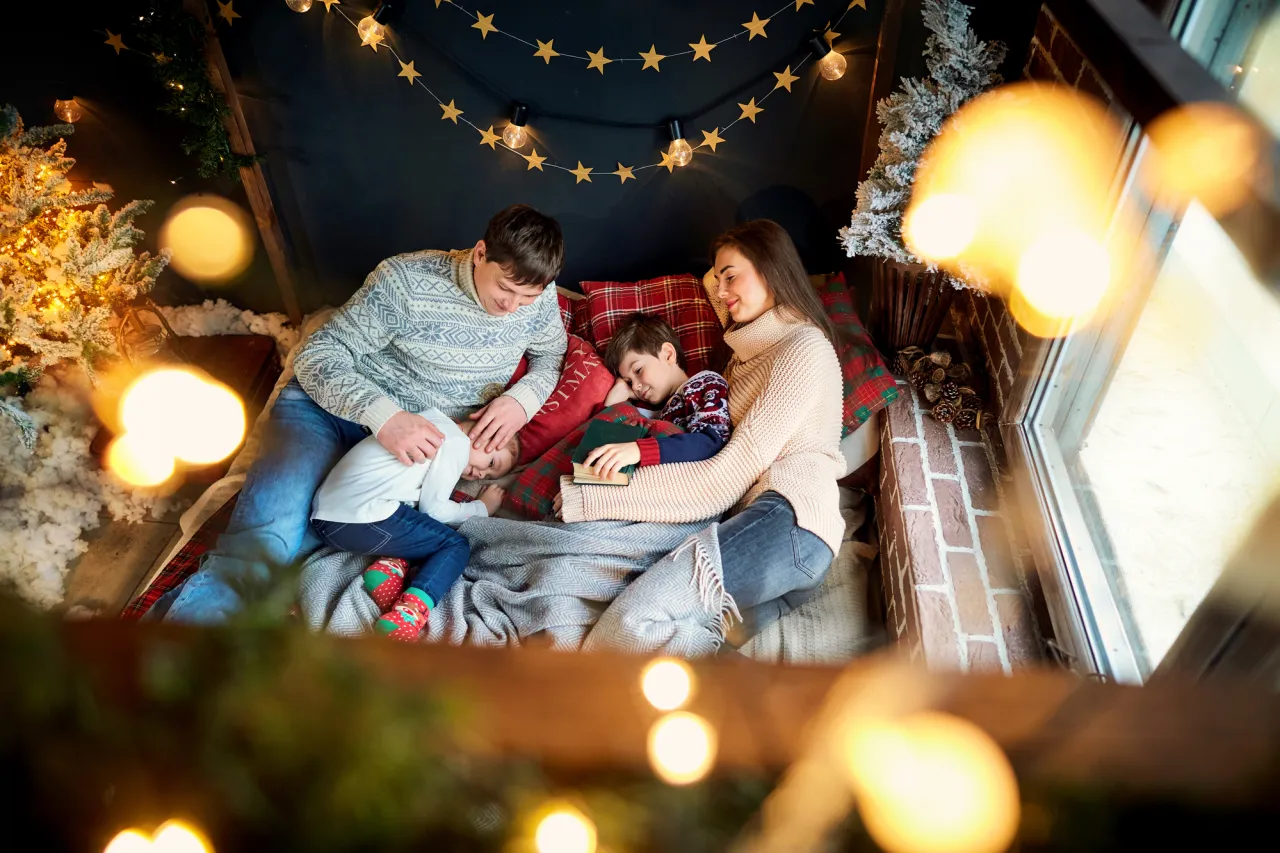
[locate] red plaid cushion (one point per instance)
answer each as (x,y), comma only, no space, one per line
(678,299)
(566,310)
(534,492)
(184,563)
(868,387)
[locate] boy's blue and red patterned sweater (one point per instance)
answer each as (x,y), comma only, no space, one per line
(701,408)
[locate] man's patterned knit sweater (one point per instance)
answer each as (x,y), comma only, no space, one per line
(415,337)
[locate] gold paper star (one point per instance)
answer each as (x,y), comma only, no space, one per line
(161,58)
(785,79)
(372,41)
(450,112)
(115,41)
(598,60)
(545,50)
(668,162)
(830,36)
(652,58)
(624,172)
(484,23)
(712,138)
(702,50)
(755,26)
(409,71)
(583,173)
(226,12)
(861,4)
(488,137)
(800,3)
(329,4)
(535,162)
(750,110)
(438,2)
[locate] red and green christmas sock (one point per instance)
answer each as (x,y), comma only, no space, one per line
(384,581)
(408,618)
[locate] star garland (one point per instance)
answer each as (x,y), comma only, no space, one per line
(596,60)
(583,174)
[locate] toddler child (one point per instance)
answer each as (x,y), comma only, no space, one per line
(372,503)
(646,355)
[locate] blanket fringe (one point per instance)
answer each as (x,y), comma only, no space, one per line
(711,592)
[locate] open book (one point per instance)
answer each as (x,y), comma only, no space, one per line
(599,433)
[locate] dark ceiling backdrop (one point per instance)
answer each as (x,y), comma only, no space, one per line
(362,167)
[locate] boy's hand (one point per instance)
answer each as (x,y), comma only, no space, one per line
(491,497)
(608,459)
(497,422)
(619,393)
(410,438)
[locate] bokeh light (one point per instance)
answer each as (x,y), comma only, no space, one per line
(682,748)
(1062,277)
(565,830)
(940,226)
(210,238)
(139,462)
(667,683)
(933,783)
(1211,152)
(189,416)
(129,841)
(175,836)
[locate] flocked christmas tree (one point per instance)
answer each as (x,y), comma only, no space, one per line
(960,68)
(65,269)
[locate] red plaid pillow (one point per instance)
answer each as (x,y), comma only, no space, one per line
(868,387)
(184,563)
(534,492)
(566,311)
(678,299)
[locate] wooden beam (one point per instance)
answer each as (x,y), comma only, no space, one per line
(255,182)
(883,78)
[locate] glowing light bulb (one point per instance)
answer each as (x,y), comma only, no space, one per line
(941,226)
(68,110)
(933,783)
(832,66)
(682,748)
(680,152)
(298,5)
(565,830)
(369,29)
(514,136)
(667,683)
(1062,276)
(139,462)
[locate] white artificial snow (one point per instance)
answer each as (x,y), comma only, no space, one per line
(223,318)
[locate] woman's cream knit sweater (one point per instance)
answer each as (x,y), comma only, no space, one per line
(785,405)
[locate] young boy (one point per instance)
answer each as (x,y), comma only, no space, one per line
(646,355)
(372,503)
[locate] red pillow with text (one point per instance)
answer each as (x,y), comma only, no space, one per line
(678,299)
(534,492)
(584,383)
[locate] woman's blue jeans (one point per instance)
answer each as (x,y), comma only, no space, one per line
(771,566)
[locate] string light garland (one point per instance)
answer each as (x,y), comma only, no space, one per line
(597,60)
(679,153)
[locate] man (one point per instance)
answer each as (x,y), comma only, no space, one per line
(431,329)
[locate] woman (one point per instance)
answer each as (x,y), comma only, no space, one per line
(778,472)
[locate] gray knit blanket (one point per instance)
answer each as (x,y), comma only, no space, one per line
(634,587)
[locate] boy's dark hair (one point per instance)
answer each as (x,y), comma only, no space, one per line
(515,445)
(527,245)
(644,333)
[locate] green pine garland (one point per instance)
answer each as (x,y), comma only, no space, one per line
(176,41)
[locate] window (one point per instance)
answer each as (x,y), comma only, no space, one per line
(1152,441)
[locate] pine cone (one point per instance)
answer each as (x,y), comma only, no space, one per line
(944,412)
(970,401)
(905,357)
(968,419)
(917,378)
(932,392)
(941,358)
(959,371)
(950,391)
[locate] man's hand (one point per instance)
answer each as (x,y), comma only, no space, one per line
(608,459)
(619,393)
(491,497)
(497,422)
(410,438)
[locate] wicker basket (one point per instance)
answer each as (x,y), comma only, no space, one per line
(908,305)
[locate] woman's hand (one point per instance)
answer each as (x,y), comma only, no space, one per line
(491,497)
(619,393)
(558,505)
(608,459)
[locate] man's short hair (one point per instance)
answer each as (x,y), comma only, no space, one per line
(645,333)
(527,245)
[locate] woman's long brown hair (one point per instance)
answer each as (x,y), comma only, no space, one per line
(768,247)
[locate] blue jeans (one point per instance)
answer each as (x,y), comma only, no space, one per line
(270,527)
(771,566)
(440,551)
